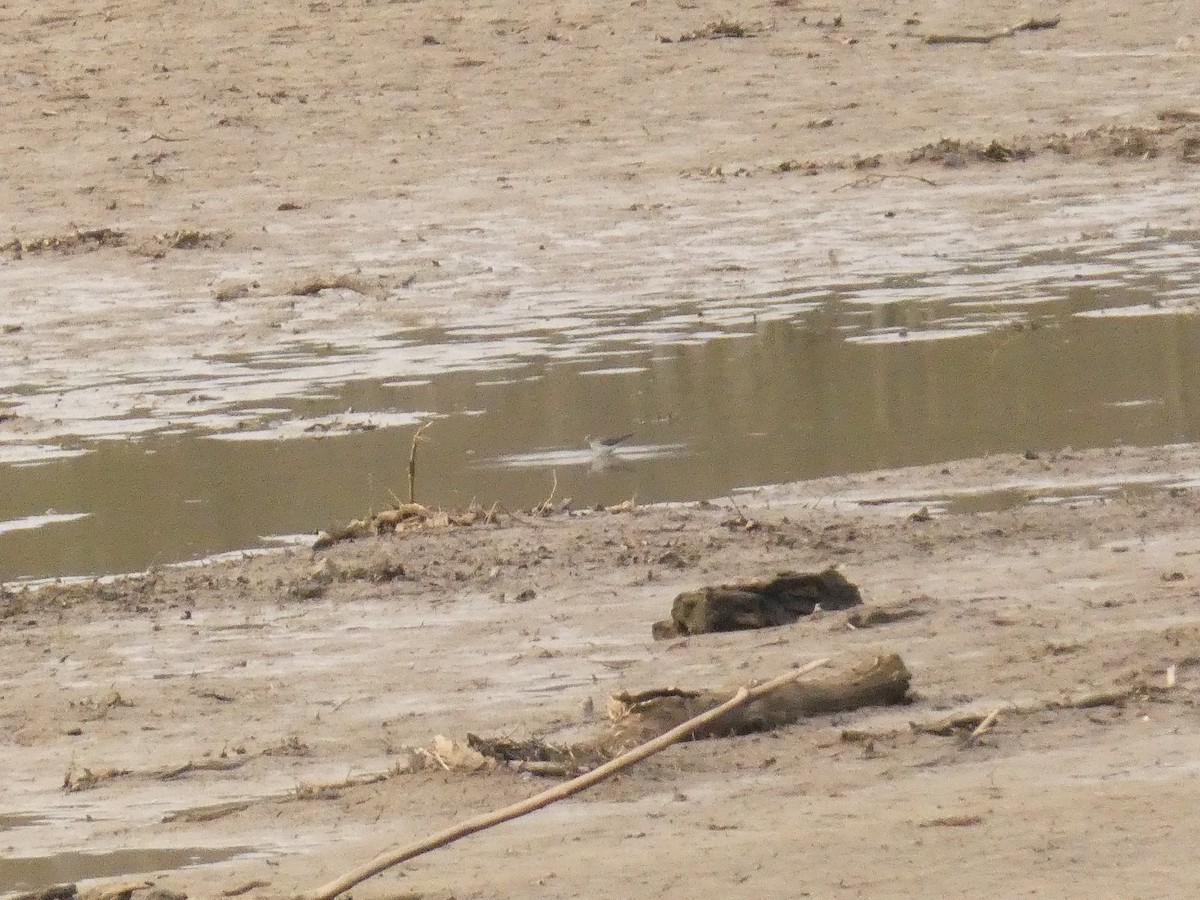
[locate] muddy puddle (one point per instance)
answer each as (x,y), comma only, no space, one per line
(998,352)
(39,872)
(1031,493)
(18,820)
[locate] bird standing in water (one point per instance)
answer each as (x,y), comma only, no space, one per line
(604,447)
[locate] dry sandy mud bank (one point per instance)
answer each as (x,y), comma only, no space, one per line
(263,707)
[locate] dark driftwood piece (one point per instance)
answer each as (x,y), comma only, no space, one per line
(757,604)
(870,617)
(873,681)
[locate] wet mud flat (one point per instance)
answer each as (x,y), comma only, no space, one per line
(938,356)
(226,707)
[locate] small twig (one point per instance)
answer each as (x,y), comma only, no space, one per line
(545,505)
(245,888)
(412,463)
(876,178)
(960,722)
(982,728)
(1114,697)
(951,822)
(205,765)
(559,792)
(207,813)
(1027,25)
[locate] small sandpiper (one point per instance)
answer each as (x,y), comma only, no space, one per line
(604,447)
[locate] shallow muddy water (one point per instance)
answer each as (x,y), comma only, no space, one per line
(37,873)
(997,353)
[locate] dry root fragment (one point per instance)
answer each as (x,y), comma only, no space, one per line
(122,890)
(951,822)
(88,779)
(405,517)
(313,285)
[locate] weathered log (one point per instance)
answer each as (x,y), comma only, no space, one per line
(875,681)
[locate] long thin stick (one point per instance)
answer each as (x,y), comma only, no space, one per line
(412,463)
(559,792)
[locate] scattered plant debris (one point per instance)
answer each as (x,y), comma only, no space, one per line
(85,240)
(721,28)
(405,517)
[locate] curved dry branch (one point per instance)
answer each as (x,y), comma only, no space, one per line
(559,792)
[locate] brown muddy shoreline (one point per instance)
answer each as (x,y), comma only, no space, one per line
(237,690)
